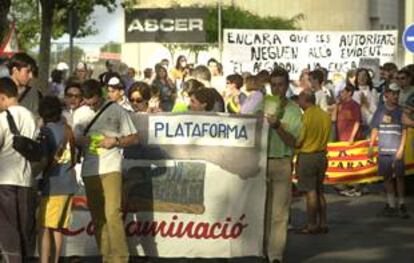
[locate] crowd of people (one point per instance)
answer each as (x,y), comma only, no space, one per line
(78,115)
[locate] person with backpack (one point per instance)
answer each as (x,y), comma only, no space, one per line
(59,179)
(17,206)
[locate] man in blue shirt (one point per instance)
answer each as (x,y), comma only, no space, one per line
(387,126)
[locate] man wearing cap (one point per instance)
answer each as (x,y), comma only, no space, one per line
(81,72)
(104,77)
(64,68)
(388,128)
(388,73)
(116,93)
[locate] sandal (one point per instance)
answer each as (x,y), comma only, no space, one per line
(306,230)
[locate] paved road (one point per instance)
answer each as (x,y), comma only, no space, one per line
(356,234)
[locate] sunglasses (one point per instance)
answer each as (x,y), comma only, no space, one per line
(139,100)
(71,95)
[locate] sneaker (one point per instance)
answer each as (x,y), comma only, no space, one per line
(350,193)
(388,211)
(403,212)
(357,193)
(347,193)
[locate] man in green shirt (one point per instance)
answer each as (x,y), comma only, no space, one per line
(284,117)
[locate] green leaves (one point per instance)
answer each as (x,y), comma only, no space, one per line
(237,18)
(112,47)
(27,15)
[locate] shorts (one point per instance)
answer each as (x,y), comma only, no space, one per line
(388,167)
(55,211)
(311,168)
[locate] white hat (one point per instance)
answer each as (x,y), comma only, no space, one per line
(393,87)
(81,66)
(62,66)
(114,81)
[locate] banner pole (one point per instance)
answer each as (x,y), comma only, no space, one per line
(220,42)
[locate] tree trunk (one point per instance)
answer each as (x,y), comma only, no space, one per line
(47,13)
(4,23)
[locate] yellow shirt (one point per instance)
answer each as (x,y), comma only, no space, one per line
(176,74)
(316,128)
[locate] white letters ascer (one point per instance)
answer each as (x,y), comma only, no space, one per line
(167,25)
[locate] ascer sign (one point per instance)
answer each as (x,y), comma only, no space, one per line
(167,25)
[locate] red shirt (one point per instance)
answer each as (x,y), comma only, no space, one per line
(349,112)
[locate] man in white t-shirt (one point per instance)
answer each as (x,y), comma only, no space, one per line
(21,68)
(17,207)
(116,93)
(101,168)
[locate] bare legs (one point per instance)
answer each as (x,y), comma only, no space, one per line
(50,241)
(316,210)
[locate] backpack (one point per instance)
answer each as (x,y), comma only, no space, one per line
(30,149)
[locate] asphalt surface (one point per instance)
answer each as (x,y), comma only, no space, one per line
(356,234)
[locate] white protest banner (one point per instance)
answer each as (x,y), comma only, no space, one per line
(254,50)
(191,198)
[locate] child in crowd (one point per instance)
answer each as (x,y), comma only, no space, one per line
(59,180)
(387,126)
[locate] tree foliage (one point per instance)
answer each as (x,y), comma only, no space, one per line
(27,18)
(112,47)
(233,17)
(38,21)
(78,54)
(27,15)
(4,10)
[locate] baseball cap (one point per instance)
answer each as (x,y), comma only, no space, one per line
(392,87)
(81,66)
(62,66)
(115,82)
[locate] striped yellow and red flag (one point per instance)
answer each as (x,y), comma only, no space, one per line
(349,163)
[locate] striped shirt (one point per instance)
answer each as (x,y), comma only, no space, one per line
(390,128)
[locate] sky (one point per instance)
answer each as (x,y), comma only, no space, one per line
(109,26)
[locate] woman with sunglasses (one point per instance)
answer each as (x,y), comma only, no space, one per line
(139,95)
